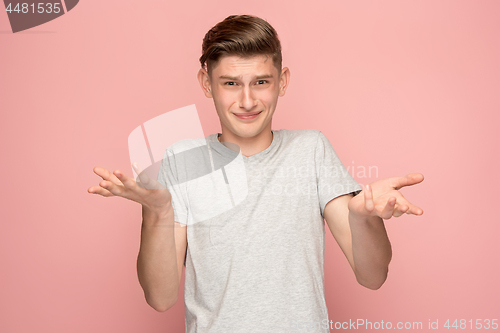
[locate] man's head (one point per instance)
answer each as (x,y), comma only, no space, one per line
(241,70)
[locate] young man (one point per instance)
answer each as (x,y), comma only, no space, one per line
(258,266)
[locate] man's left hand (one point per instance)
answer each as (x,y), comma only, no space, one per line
(383,199)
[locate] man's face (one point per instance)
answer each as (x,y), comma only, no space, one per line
(242,87)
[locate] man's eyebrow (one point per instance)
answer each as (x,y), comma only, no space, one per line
(265,76)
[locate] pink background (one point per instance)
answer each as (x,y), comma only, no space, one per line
(405,86)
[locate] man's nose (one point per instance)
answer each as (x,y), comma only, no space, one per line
(247,99)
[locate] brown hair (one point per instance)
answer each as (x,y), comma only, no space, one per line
(241,35)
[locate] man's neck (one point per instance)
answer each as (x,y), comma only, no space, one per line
(250,146)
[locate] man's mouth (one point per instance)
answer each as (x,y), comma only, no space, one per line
(247,116)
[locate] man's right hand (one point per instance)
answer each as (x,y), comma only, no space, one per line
(150,194)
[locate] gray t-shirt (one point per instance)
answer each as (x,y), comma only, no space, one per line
(255,255)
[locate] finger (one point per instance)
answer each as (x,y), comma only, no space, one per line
(408,180)
(411,208)
(111,187)
(144,180)
(106,175)
(415,210)
(388,209)
(369,205)
(125,180)
(99,190)
(400,210)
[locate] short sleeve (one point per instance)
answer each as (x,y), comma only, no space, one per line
(167,176)
(333,178)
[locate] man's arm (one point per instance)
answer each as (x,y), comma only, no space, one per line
(364,242)
(163,241)
(161,257)
(357,225)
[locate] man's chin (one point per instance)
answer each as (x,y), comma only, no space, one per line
(248,134)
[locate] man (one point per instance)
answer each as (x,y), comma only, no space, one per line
(258,267)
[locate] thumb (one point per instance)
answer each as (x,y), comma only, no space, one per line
(143,177)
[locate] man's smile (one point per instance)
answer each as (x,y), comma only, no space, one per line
(247,115)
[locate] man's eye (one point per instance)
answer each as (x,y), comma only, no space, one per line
(228,83)
(263,81)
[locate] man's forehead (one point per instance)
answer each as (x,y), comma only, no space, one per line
(261,58)
(239,77)
(257,67)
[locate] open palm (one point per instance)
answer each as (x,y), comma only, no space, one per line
(382,198)
(148,192)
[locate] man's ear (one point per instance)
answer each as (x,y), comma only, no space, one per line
(205,84)
(284,80)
